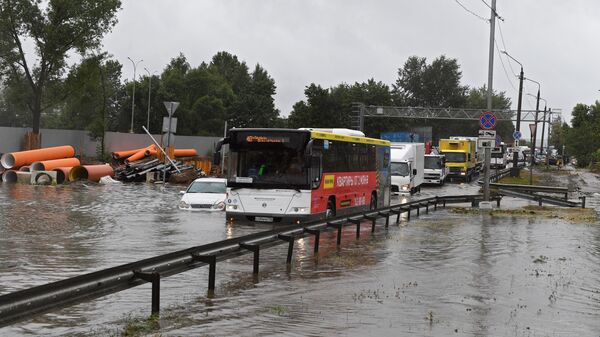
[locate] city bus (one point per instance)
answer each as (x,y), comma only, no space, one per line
(297,175)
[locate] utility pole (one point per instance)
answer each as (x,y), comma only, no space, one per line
(149,91)
(543,129)
(490,93)
(515,169)
(135,64)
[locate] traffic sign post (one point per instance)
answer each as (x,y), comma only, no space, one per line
(486,140)
(171,107)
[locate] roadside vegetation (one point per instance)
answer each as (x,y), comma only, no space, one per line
(573,215)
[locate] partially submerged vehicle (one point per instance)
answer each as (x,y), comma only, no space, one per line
(206,194)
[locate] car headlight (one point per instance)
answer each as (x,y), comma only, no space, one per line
(219,205)
(183,204)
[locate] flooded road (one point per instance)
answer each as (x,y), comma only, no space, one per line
(440,274)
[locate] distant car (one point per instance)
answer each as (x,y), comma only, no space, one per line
(206,194)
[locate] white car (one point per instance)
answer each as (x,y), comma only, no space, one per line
(206,194)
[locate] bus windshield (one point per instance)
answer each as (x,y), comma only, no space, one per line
(271,167)
(400,169)
(455,157)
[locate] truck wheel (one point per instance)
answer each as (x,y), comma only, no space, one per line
(330,212)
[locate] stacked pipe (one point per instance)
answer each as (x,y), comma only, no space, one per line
(19,166)
(129,156)
(136,172)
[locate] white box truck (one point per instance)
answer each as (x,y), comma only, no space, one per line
(435,169)
(407,161)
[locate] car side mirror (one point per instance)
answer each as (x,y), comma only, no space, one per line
(181,192)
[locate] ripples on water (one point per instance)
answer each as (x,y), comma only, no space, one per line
(437,275)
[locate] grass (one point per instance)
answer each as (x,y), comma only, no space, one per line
(522,179)
(574,215)
(140,326)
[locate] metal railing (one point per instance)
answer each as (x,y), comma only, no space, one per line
(25,304)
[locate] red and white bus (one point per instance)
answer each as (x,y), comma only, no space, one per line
(289,175)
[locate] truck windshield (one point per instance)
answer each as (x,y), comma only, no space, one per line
(497,155)
(400,169)
(455,157)
(433,163)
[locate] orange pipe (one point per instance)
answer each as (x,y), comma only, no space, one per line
(16,159)
(137,156)
(90,172)
(48,165)
(186,152)
(129,153)
(62,174)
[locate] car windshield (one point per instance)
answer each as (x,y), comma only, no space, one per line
(399,169)
(207,187)
(433,163)
(455,157)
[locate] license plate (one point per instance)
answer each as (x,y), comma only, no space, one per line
(263,218)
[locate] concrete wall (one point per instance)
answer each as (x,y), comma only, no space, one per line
(11,139)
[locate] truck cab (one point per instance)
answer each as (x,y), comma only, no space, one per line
(461,157)
(435,169)
(407,170)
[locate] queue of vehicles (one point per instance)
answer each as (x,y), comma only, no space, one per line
(293,175)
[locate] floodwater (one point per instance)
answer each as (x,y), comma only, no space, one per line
(440,274)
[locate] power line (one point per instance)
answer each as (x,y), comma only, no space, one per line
(495,13)
(503,67)
(504,45)
(471,12)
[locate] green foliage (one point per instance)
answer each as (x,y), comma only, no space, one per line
(56,28)
(330,108)
(434,85)
(583,138)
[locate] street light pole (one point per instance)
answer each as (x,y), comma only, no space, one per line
(515,168)
(149,88)
(543,126)
(133,95)
(534,134)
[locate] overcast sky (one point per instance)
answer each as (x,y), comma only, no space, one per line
(332,41)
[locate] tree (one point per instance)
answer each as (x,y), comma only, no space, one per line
(477,99)
(583,138)
(56,28)
(435,85)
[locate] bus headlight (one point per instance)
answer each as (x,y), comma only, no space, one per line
(300,209)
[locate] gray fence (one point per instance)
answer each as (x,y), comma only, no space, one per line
(11,139)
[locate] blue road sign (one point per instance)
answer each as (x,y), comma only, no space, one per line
(517,135)
(487,121)
(498,141)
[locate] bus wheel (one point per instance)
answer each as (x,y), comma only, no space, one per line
(330,208)
(373,204)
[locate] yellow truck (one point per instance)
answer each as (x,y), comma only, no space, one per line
(461,157)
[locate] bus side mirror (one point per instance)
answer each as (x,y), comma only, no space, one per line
(217,158)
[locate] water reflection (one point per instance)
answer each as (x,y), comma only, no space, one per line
(439,274)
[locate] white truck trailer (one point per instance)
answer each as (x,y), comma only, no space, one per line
(407,163)
(435,169)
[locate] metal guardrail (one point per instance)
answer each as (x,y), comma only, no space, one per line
(27,303)
(532,192)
